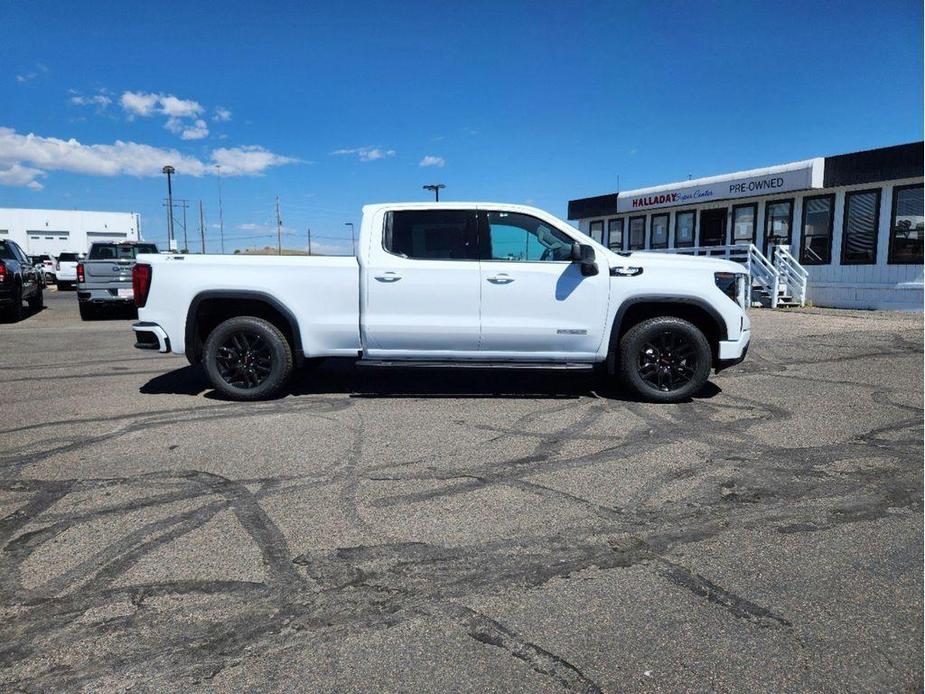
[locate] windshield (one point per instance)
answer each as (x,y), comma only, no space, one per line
(119,251)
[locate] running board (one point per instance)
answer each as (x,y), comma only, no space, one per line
(424,364)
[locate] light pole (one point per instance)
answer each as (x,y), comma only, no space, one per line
(435,187)
(169,170)
(353,243)
(221,217)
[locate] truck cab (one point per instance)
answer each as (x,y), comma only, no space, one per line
(455,285)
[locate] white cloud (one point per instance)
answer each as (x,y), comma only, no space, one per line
(18,175)
(366,153)
(431,161)
(38,71)
(186,130)
(139,103)
(221,115)
(101,101)
(24,158)
(179,108)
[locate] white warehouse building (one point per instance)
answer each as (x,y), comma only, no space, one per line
(842,231)
(52,232)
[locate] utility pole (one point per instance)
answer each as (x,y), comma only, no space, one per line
(183,204)
(185,240)
(279,230)
(202,229)
(435,187)
(309,240)
(221,218)
(169,170)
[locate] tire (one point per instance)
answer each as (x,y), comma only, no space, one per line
(247,358)
(87,311)
(665,359)
(36,302)
(13,312)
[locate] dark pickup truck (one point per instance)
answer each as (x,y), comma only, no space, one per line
(19,281)
(104,279)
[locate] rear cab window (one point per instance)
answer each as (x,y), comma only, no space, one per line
(119,251)
(432,234)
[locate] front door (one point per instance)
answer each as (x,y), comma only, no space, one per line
(713,227)
(536,304)
(422,285)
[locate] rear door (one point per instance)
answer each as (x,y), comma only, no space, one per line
(536,304)
(422,285)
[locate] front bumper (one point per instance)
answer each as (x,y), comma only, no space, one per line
(732,352)
(150,336)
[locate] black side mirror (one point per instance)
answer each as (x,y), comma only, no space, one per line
(583,254)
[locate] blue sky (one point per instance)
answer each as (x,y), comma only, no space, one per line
(335,104)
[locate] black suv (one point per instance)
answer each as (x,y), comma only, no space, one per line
(19,281)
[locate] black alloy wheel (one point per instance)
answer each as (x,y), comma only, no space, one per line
(665,359)
(667,362)
(247,358)
(244,359)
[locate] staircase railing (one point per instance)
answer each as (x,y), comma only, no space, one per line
(792,274)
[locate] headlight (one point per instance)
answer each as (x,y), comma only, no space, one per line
(732,284)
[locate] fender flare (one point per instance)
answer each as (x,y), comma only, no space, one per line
(612,347)
(240,294)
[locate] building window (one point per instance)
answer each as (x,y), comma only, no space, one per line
(817,230)
(906,225)
(637,233)
(778,219)
(615,234)
(743,223)
(659,231)
(597,231)
(684,229)
(859,227)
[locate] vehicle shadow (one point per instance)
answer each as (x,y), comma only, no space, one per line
(344,376)
(27,313)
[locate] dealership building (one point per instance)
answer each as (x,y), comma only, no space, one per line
(51,232)
(849,227)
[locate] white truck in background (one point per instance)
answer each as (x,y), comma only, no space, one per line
(449,284)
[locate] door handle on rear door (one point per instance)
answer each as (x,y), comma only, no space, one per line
(501,278)
(388,277)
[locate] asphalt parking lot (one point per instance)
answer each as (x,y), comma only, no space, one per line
(405,530)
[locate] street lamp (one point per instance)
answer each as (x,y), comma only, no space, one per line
(170,171)
(435,187)
(353,242)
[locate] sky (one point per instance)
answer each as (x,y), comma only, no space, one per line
(333,105)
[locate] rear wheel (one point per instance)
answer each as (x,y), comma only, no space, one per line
(13,312)
(36,302)
(87,311)
(665,359)
(247,358)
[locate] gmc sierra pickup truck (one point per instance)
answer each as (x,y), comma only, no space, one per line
(449,284)
(104,279)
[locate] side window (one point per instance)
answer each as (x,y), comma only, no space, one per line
(615,232)
(521,238)
(22,257)
(432,234)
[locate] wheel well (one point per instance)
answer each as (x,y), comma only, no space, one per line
(710,325)
(208,313)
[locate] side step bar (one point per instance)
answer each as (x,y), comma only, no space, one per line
(424,364)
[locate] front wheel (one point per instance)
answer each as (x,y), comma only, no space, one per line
(247,358)
(665,359)
(36,302)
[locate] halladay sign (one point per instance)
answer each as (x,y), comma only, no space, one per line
(747,184)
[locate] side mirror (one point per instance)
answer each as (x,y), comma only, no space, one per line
(583,254)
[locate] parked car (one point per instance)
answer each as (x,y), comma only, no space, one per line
(450,284)
(104,278)
(66,270)
(19,281)
(40,269)
(48,266)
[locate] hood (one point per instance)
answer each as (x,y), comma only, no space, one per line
(675,260)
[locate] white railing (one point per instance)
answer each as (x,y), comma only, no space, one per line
(793,275)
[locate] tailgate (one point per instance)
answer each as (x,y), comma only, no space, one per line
(108,272)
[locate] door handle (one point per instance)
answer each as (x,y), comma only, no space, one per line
(501,278)
(388,277)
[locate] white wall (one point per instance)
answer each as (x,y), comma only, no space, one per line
(52,232)
(880,285)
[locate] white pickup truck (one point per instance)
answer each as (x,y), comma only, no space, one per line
(449,284)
